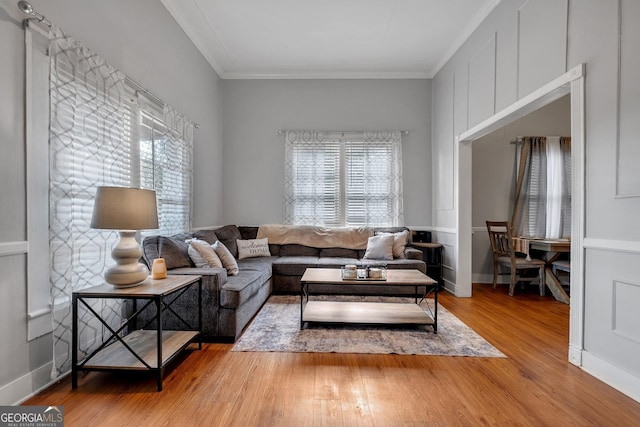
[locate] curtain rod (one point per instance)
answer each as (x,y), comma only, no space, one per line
(283,131)
(26,8)
(519,139)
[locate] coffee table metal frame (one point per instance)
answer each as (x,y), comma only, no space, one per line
(369,312)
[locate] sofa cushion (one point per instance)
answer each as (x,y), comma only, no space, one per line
(294,265)
(248,232)
(242,287)
(298,250)
(339,253)
(173,250)
(334,262)
(208,236)
(228,235)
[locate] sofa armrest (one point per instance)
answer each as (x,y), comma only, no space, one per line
(413,253)
(219,275)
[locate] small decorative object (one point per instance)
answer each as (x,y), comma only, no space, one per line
(349,272)
(126,210)
(159,269)
(375,273)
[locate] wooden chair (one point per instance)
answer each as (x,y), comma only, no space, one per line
(564,266)
(500,236)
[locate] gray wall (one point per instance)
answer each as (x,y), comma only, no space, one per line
(127,35)
(494,175)
(253,155)
(509,54)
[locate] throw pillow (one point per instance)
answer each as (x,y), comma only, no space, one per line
(228,236)
(380,247)
(400,241)
(205,250)
(173,251)
(228,261)
(197,259)
(253,248)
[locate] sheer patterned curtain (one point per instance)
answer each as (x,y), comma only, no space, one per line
(102,133)
(343,178)
(543,191)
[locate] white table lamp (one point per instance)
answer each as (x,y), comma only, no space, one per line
(127,210)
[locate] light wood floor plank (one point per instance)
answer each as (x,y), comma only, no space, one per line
(534,386)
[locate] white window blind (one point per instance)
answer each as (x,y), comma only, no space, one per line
(103,133)
(343,179)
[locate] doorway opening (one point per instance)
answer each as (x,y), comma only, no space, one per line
(571,83)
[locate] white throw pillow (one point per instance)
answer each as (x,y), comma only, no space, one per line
(197,259)
(400,241)
(228,261)
(253,248)
(380,247)
(206,252)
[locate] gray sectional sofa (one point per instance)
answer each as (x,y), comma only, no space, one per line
(230,302)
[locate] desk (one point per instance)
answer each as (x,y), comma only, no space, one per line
(552,247)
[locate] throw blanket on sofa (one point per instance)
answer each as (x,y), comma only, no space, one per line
(316,237)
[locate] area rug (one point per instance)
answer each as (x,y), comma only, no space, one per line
(276,328)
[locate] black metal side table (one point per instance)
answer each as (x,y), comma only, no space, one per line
(140,349)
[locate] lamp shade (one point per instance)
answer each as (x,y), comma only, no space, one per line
(121,208)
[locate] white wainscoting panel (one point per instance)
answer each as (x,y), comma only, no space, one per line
(443,149)
(482,83)
(542,52)
(13,248)
(627,176)
(612,296)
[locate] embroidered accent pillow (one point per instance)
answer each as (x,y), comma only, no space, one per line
(253,248)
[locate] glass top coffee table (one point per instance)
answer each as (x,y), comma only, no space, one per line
(387,313)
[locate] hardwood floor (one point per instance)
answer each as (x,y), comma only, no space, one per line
(534,386)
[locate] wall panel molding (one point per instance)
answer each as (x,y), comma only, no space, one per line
(443,149)
(481,86)
(14,248)
(625,317)
(612,245)
(628,86)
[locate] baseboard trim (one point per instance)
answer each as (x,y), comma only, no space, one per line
(575,355)
(21,389)
(618,378)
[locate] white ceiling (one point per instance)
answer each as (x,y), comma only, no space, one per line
(245,39)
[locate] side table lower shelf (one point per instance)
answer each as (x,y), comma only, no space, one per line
(144,343)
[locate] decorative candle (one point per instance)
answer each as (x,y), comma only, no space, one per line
(159,269)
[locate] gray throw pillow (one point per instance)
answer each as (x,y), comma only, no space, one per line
(380,247)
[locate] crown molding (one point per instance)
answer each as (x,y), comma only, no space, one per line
(465,34)
(307,75)
(176,8)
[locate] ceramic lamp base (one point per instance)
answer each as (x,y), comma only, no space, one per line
(128,272)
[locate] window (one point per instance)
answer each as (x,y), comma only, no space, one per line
(343,179)
(543,190)
(102,131)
